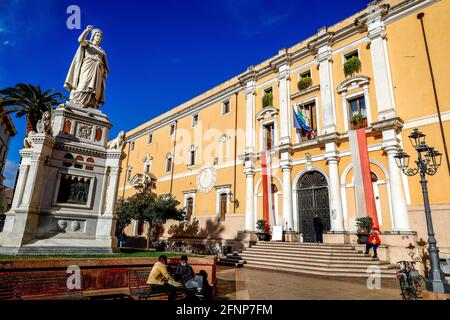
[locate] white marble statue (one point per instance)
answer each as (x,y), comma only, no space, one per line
(119,142)
(86,79)
(43,125)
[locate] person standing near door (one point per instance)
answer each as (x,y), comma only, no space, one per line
(318,228)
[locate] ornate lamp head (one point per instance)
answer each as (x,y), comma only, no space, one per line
(417,138)
(434,158)
(402,159)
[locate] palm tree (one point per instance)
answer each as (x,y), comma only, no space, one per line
(30,101)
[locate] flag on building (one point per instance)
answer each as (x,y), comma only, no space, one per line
(365,200)
(301,124)
(268,205)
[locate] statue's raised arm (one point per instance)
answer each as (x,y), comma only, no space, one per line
(82,39)
(86,79)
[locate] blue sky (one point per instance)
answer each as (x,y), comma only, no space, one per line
(161,53)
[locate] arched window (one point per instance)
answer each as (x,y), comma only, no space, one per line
(168,162)
(69,161)
(90,160)
(79,158)
(192,155)
(189,206)
(98,134)
(128,174)
(223,205)
(374,177)
(67,126)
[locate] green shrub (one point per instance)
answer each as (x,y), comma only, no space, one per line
(352,66)
(261,225)
(363,224)
(267,100)
(357,120)
(304,83)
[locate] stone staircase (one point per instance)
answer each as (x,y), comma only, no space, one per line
(335,260)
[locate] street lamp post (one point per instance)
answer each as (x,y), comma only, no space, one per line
(427,163)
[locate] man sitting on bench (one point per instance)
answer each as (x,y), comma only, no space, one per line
(187,275)
(160,279)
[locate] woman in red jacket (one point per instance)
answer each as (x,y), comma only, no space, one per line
(373,242)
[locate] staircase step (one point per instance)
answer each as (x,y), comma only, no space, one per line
(305,248)
(305,245)
(286,255)
(317,272)
(308,252)
(299,263)
(230,263)
(241,261)
(316,268)
(294,259)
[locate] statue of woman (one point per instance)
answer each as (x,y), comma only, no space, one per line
(86,79)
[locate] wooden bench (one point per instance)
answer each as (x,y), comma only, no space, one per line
(137,284)
(31,285)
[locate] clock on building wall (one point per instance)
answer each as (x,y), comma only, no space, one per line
(206,179)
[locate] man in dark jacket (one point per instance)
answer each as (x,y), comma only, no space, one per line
(185,273)
(318,228)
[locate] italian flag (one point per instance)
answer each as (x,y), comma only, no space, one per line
(365,200)
(268,205)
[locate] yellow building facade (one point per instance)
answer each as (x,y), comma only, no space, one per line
(207,151)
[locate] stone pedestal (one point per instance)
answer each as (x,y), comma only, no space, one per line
(66,189)
(291,236)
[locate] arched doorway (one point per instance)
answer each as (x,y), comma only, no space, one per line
(312,199)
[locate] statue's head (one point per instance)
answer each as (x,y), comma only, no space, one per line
(122,135)
(96,36)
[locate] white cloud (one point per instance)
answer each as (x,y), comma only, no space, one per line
(10,172)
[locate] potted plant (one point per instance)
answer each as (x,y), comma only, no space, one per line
(304,83)
(363,228)
(357,120)
(352,66)
(263,227)
(267,100)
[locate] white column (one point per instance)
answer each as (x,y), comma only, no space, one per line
(380,64)
(250,116)
(400,210)
(250,223)
(288,212)
(112,191)
(336,212)
(326,89)
(20,186)
(284,83)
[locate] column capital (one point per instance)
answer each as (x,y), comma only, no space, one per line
(249,171)
(286,165)
(332,158)
(390,148)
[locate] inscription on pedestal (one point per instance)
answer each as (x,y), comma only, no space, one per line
(74,190)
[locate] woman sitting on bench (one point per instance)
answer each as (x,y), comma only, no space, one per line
(160,279)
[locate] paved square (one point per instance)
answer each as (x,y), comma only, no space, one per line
(259,284)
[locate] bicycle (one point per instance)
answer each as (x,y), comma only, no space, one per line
(411,282)
(215,250)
